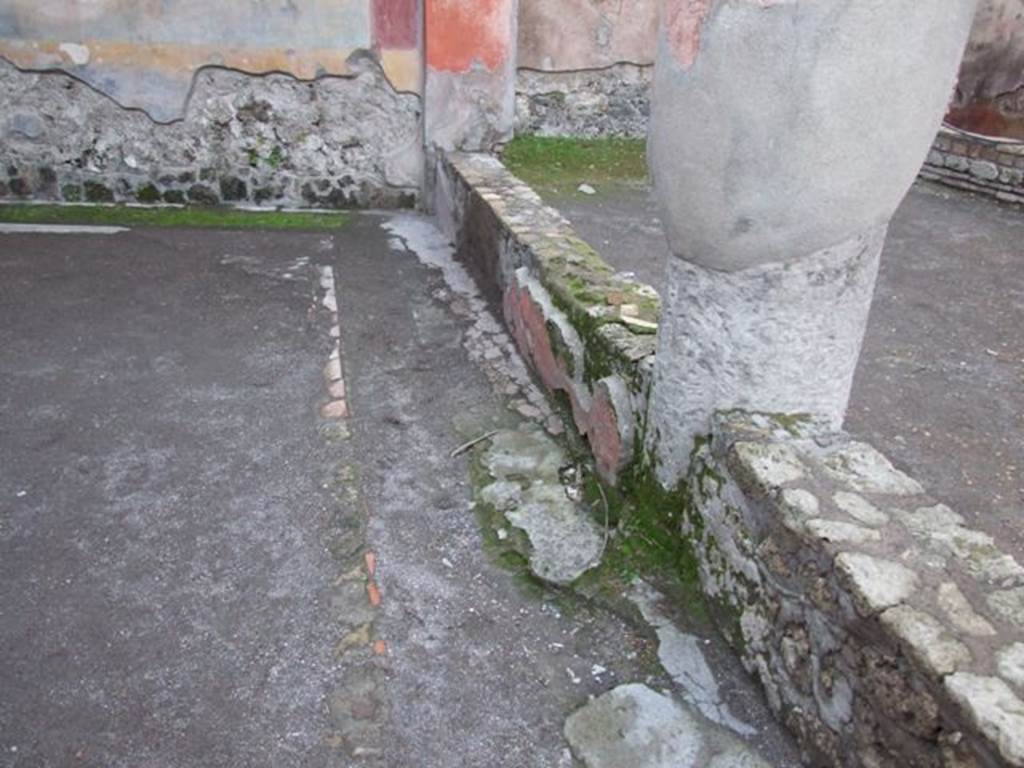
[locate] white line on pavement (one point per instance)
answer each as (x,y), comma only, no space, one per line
(58,229)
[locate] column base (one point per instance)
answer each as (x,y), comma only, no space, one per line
(777,338)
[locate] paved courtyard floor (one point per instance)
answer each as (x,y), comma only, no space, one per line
(207,560)
(940,385)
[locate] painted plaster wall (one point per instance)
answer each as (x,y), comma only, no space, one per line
(560,35)
(145,53)
(273,102)
(470,75)
(990,96)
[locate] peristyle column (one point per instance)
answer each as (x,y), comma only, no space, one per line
(784,133)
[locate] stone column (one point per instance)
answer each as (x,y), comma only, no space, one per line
(784,133)
(470,73)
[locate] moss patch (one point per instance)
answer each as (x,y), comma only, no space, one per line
(648,542)
(560,165)
(193,218)
(590,292)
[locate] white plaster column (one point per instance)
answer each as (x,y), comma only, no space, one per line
(784,134)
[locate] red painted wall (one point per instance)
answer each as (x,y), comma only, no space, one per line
(460,32)
(395,23)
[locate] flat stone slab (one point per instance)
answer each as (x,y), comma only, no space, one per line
(682,657)
(633,726)
(565,541)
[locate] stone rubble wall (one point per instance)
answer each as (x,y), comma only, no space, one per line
(586,331)
(613,101)
(273,140)
(884,631)
(978,164)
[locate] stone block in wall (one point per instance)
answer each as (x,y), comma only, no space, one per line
(977,164)
(875,617)
(984,170)
(338,142)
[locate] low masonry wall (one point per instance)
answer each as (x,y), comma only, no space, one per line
(587,331)
(977,163)
(884,631)
(268,140)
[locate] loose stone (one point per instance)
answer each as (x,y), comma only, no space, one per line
(635,726)
(1009,604)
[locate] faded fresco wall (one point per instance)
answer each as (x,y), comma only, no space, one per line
(283,102)
(144,53)
(590,77)
(990,96)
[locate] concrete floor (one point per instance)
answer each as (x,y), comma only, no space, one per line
(940,385)
(182,536)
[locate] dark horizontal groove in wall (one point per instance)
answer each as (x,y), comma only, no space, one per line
(582,70)
(57,71)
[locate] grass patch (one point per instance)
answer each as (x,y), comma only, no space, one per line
(188,217)
(562,164)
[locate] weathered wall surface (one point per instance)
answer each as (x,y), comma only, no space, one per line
(561,35)
(470,75)
(290,102)
(144,53)
(591,103)
(990,96)
(571,72)
(590,77)
(335,142)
